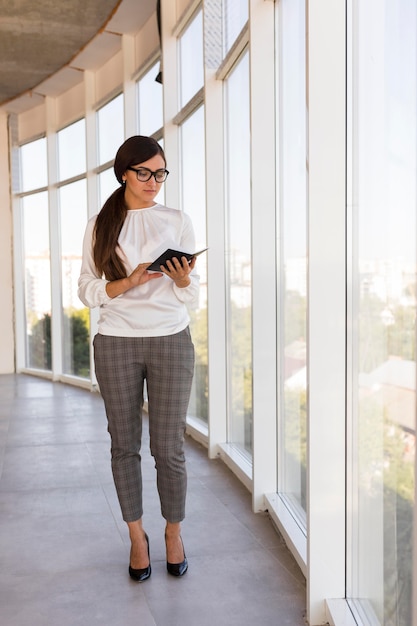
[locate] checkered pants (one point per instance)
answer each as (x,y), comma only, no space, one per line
(122,365)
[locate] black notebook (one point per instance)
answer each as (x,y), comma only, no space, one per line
(168,255)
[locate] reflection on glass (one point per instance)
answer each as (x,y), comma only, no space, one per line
(33,165)
(110,123)
(235,16)
(191,59)
(150,102)
(238,207)
(384,301)
(194,203)
(75,317)
(37,281)
(71,150)
(293,266)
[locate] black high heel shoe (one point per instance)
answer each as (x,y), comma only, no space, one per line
(178,569)
(139,575)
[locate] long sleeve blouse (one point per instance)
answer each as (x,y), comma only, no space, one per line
(158,307)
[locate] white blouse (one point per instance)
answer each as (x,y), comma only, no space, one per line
(158,307)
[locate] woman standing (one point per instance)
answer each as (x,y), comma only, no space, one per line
(143,334)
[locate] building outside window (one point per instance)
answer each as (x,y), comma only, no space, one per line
(37,280)
(292,246)
(193,195)
(239,258)
(194,204)
(37,254)
(382,205)
(72,202)
(75,317)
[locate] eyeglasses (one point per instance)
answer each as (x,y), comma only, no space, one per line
(144,174)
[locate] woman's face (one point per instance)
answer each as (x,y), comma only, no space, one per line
(140,195)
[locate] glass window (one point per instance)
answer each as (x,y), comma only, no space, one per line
(33,165)
(71,150)
(37,265)
(107,183)
(75,316)
(194,203)
(292,331)
(239,296)
(150,102)
(191,60)
(235,16)
(384,166)
(110,128)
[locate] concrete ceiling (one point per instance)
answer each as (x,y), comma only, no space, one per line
(45,44)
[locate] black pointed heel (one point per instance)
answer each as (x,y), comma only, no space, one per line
(139,575)
(178,569)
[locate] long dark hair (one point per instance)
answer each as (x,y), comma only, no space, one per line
(109,222)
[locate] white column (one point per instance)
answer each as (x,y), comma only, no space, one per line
(326,93)
(264,233)
(7,364)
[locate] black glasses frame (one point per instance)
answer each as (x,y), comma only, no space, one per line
(161,172)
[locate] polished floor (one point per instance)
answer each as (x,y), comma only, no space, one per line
(64,548)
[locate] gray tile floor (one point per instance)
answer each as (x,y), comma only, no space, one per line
(64,548)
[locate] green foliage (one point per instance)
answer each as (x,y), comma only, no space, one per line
(76,343)
(198,326)
(39,344)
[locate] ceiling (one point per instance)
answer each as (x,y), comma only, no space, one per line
(45,45)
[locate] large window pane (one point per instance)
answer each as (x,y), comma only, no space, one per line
(384,162)
(71,150)
(107,183)
(75,317)
(33,165)
(194,203)
(238,209)
(110,123)
(235,16)
(293,252)
(150,102)
(37,266)
(191,59)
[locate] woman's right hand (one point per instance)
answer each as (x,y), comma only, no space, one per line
(139,276)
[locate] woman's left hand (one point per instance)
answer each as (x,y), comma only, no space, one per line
(179,270)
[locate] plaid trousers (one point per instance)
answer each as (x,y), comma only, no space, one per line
(122,364)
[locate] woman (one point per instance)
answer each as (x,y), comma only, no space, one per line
(143,335)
